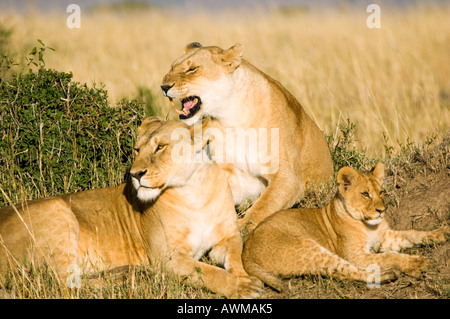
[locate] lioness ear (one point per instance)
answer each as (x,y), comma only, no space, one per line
(233,56)
(147,123)
(191,46)
(346,178)
(378,173)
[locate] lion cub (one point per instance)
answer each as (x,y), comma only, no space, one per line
(338,240)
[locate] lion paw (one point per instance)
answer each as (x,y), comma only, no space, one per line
(440,233)
(390,274)
(248,288)
(415,265)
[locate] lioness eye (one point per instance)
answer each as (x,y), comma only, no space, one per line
(365,195)
(159,147)
(191,69)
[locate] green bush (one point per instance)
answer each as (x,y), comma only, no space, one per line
(59,136)
(344,151)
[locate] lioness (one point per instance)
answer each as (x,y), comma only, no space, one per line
(172,212)
(341,239)
(219,83)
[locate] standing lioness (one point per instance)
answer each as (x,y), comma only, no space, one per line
(174,210)
(214,82)
(343,239)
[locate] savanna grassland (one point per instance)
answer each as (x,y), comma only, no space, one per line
(392,81)
(378,94)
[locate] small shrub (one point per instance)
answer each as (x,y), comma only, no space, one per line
(344,151)
(59,136)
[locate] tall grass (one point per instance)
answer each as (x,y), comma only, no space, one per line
(140,283)
(393,81)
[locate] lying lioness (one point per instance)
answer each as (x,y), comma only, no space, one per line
(172,212)
(341,239)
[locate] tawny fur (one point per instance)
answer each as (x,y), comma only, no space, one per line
(112,227)
(240,96)
(340,240)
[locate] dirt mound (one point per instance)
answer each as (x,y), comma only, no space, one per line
(418,189)
(424,205)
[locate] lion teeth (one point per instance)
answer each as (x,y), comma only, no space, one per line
(183,111)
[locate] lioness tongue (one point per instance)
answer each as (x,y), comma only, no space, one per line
(189,104)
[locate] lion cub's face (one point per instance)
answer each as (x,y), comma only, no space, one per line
(200,79)
(156,166)
(363,194)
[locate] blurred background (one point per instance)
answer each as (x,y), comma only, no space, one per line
(393,82)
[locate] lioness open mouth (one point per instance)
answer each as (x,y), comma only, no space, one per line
(189,107)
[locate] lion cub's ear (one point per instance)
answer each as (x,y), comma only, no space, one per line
(233,56)
(378,173)
(191,46)
(346,178)
(147,123)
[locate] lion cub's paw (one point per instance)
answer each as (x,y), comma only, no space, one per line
(390,274)
(248,288)
(439,234)
(415,265)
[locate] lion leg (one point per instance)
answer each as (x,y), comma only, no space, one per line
(228,253)
(211,277)
(397,240)
(269,278)
(411,264)
(287,257)
(282,193)
(334,266)
(31,239)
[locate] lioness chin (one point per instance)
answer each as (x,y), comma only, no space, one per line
(171,213)
(214,82)
(347,239)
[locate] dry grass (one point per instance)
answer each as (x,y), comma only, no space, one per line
(392,81)
(141,283)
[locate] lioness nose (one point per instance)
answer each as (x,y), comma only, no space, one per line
(138,174)
(380,210)
(166,88)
